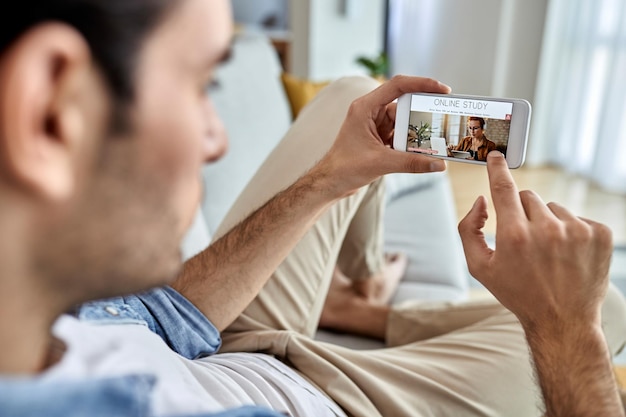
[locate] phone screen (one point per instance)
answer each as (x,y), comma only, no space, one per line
(458,127)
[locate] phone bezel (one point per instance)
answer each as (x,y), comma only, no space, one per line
(518,133)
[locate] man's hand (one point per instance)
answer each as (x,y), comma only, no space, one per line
(550,268)
(362,150)
(548,264)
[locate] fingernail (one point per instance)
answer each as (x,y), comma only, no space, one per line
(495,154)
(445,85)
(437,166)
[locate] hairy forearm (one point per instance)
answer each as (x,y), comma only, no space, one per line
(574,369)
(223,279)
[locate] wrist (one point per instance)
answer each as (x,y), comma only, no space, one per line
(565,334)
(563,322)
(327,185)
(314,191)
(565,329)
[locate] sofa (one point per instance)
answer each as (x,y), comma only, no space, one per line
(420,216)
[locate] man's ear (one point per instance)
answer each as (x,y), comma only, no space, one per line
(41,120)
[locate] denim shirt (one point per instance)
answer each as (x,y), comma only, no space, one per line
(164,311)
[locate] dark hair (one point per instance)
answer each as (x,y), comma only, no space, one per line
(479,119)
(114,30)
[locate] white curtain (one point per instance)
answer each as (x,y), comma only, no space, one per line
(579,117)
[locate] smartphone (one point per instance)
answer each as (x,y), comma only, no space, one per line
(462,128)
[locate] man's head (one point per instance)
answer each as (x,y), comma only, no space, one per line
(104,125)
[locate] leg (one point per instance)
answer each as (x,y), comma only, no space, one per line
(360,307)
(414,321)
(468,359)
(373,275)
(477,370)
(293,298)
(362,251)
(363,277)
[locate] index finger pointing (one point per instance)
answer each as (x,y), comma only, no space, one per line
(504,193)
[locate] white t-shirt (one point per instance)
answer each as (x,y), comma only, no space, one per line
(210,384)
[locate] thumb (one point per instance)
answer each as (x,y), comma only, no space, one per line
(477,252)
(396,161)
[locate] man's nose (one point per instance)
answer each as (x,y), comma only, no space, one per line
(216,138)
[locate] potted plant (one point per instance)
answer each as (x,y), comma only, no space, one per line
(377,67)
(422,133)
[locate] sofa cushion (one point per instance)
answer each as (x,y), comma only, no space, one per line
(300,91)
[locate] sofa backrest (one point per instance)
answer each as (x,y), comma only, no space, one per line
(252,104)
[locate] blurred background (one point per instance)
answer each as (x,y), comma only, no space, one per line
(567,57)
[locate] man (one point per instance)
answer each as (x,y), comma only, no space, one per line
(104,127)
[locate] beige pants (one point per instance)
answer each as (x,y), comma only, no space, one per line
(442,359)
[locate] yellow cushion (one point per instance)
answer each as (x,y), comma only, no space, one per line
(300,91)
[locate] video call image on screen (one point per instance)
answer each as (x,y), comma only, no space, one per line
(458,128)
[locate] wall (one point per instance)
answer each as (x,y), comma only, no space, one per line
(328,36)
(484,47)
(517,60)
